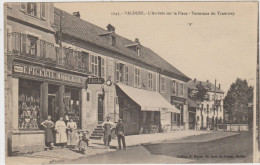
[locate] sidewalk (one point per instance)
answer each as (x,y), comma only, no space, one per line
(97,147)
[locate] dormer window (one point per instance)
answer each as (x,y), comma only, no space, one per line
(113,40)
(138,52)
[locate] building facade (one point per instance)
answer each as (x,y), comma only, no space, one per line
(49,55)
(206,116)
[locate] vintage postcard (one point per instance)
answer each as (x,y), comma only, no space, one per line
(131,82)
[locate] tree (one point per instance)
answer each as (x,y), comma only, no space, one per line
(200,94)
(236,101)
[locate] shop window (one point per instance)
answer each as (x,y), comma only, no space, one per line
(137,78)
(72,105)
(162,84)
(150,80)
(29,104)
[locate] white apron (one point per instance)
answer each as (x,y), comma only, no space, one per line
(61,136)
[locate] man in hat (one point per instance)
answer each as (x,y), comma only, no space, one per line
(107,127)
(120,132)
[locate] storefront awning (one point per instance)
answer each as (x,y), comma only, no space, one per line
(148,100)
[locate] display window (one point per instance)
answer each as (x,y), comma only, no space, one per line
(72,105)
(29,104)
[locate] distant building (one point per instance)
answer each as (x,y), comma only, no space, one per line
(206,116)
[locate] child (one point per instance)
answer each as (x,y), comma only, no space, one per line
(83,140)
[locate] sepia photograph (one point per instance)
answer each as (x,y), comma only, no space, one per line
(131,82)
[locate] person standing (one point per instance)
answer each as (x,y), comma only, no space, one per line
(72,138)
(120,132)
(107,127)
(61,136)
(48,124)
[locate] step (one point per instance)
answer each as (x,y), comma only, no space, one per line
(97,134)
(99,130)
(96,137)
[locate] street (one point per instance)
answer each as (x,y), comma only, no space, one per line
(196,149)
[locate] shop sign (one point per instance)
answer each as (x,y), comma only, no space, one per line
(18,69)
(47,73)
(95,81)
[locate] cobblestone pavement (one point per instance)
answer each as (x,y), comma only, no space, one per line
(97,147)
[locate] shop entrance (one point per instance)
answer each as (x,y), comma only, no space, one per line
(100,108)
(53,102)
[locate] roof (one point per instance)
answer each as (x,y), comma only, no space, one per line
(81,29)
(192,85)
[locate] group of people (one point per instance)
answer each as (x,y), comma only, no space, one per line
(109,127)
(66,133)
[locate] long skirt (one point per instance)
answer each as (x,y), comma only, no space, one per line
(48,135)
(72,138)
(82,145)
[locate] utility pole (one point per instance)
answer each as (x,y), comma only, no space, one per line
(215,104)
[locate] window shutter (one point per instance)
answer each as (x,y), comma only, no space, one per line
(23,6)
(43,10)
(115,73)
(23,43)
(13,37)
(18,42)
(28,45)
(86,64)
(90,61)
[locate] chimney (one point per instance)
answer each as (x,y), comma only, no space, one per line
(207,81)
(195,80)
(219,86)
(137,41)
(110,28)
(76,14)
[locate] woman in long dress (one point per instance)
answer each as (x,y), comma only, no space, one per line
(61,136)
(48,124)
(72,133)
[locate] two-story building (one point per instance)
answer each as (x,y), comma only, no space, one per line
(206,115)
(49,55)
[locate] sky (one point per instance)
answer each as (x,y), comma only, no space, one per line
(205,47)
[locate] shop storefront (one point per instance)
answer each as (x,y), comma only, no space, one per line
(178,118)
(143,111)
(36,93)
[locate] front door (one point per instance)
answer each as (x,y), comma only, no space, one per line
(100,108)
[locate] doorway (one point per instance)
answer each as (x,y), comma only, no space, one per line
(100,108)
(53,102)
